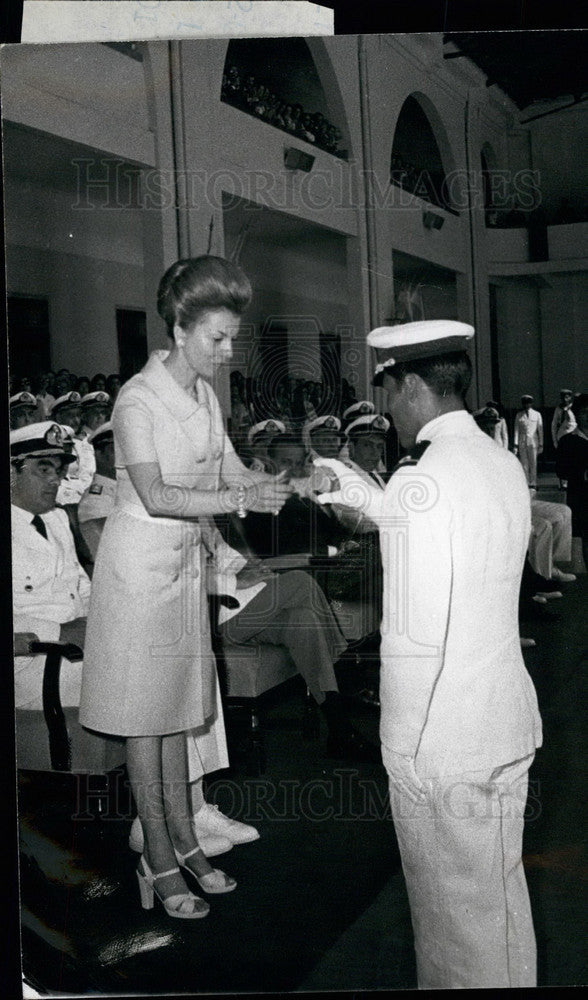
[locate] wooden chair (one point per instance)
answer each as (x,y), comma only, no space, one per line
(249,674)
(53,739)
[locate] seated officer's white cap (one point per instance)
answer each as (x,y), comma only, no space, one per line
(411,341)
(69,399)
(358,409)
(38,441)
(101,433)
(266,427)
(327,423)
(98,398)
(22,399)
(566,392)
(527,396)
(373,423)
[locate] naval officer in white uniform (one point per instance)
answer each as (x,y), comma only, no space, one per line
(459,717)
(528,438)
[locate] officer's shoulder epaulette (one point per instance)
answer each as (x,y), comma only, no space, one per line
(96,489)
(414,456)
(419,450)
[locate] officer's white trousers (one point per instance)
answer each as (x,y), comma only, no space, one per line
(461,857)
(551,536)
(528,456)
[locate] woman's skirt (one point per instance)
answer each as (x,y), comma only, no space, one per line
(148,663)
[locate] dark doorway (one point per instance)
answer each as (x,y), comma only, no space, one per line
(494,362)
(131,329)
(28,336)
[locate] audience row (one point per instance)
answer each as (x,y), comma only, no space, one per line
(249,94)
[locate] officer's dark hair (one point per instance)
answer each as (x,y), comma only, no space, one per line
(195,285)
(446,374)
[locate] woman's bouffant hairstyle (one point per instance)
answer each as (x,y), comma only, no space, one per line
(446,374)
(193,286)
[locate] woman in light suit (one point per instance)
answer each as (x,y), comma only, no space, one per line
(149,672)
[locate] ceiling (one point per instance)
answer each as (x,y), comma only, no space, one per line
(532,67)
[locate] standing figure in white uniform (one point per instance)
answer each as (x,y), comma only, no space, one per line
(528,438)
(564,420)
(459,717)
(149,673)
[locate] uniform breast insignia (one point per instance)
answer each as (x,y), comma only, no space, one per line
(95,489)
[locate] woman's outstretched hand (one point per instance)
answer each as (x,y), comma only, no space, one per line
(268,497)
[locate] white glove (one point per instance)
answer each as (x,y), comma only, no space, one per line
(353,491)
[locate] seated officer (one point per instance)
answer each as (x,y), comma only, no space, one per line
(97,501)
(95,411)
(321,437)
(23,410)
(67,410)
(359,409)
(302,526)
(366,440)
(51,591)
(259,438)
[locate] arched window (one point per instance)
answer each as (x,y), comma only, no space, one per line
(416,163)
(276,81)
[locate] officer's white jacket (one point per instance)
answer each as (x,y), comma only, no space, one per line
(528,427)
(454,530)
(49,588)
(354,520)
(79,474)
(94,507)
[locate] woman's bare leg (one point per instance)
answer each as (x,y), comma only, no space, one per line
(196,796)
(144,764)
(178,814)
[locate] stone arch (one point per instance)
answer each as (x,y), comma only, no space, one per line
(421,156)
(298,71)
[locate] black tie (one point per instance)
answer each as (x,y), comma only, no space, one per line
(39,524)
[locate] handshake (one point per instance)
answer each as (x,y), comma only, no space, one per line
(336,483)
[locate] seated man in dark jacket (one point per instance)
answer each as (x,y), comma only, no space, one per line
(302,526)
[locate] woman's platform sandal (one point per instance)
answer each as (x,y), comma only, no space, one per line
(215,882)
(183,905)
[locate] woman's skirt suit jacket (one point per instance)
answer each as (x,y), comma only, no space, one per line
(148,664)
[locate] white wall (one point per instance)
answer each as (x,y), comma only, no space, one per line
(558,145)
(85,92)
(87,263)
(84,293)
